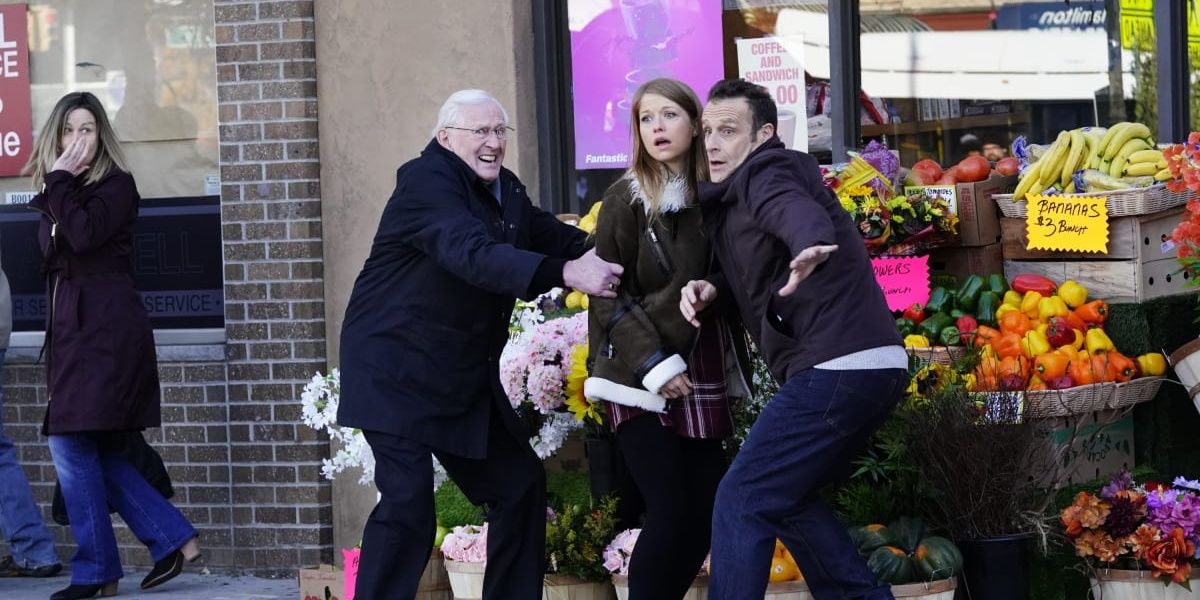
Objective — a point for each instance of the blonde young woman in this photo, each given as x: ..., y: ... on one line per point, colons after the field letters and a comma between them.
x: 101, y: 368
x: 667, y: 384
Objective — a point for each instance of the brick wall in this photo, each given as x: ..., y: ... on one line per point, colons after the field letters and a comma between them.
x: 246, y: 471
x: 274, y: 290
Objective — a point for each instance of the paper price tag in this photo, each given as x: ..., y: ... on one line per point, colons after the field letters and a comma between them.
x: 1076, y: 224
x: 904, y: 281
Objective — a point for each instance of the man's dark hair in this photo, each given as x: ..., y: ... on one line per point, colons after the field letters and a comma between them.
x: 762, y: 107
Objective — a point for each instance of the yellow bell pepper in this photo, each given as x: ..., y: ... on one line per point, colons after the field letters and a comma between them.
x: 916, y: 341
x: 1078, y: 343
x: 1041, y: 328
x: 1012, y: 298
x: 1004, y: 308
x: 1152, y: 364
x: 1096, y: 341
x: 1029, y: 304
x: 1071, y: 352
x: 1052, y: 306
x: 1072, y: 293
x: 1035, y: 343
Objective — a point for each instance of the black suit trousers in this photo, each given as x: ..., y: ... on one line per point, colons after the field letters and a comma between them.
x: 509, y: 481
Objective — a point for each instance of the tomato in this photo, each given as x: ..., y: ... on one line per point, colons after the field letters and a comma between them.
x: 1008, y: 166
x: 973, y: 168
x: 927, y: 170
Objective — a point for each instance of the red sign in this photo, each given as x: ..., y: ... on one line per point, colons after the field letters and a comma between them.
x: 16, y: 113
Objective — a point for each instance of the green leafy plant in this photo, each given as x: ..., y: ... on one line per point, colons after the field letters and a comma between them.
x: 576, y: 537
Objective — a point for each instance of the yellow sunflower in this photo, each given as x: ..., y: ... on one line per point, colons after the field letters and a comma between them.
x: 580, y: 405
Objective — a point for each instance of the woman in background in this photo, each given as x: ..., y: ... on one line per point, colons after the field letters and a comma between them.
x: 101, y: 367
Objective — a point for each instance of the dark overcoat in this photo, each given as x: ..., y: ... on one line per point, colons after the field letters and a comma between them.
x: 101, y: 367
x: 429, y: 313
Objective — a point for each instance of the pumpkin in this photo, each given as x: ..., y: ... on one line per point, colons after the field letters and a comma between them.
x: 868, y: 537
x: 937, y: 558
x: 891, y: 565
x: 905, y: 533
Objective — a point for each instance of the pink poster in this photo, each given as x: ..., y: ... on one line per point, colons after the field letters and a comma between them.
x: 617, y: 45
x: 904, y: 281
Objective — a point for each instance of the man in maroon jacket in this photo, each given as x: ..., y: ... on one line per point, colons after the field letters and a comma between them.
x: 792, y: 260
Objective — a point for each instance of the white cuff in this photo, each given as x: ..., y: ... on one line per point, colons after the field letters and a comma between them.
x: 663, y: 372
x: 611, y: 391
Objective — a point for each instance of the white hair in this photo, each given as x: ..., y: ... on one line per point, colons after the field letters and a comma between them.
x: 448, y: 114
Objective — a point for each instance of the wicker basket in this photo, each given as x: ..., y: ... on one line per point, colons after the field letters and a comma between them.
x: 1133, y: 392
x: 944, y: 355
x: 1121, y: 203
x: 1081, y: 399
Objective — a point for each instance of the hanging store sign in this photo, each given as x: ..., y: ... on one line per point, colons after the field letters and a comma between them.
x: 16, y: 113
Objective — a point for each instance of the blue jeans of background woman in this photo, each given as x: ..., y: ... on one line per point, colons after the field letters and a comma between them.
x: 94, y: 475
x: 21, y: 523
x: 805, y: 438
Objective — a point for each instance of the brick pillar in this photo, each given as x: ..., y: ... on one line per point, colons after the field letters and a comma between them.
x: 274, y: 290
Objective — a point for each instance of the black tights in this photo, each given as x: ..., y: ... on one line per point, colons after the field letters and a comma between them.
x: 678, y: 479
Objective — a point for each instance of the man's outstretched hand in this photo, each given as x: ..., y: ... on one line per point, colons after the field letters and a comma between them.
x: 593, y: 275
x: 802, y: 266
x: 695, y: 297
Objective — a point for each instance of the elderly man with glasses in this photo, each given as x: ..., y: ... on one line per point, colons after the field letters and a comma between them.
x: 420, y: 348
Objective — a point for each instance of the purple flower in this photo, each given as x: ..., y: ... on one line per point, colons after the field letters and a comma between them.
x: 1191, y: 484
x: 1122, y: 481
x: 882, y: 159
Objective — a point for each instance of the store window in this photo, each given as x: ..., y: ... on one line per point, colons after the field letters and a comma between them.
x: 616, y: 45
x: 152, y: 63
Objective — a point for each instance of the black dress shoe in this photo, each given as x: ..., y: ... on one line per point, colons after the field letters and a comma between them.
x: 164, y: 570
x: 77, y: 591
x: 10, y: 568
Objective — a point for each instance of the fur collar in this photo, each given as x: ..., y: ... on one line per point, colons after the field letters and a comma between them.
x: 674, y: 198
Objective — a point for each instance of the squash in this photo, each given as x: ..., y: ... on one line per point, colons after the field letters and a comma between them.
x: 891, y: 565
x: 868, y: 537
x: 937, y: 558
x: 905, y: 533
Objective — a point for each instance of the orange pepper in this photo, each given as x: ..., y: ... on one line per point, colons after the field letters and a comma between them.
x: 1101, y: 365
x: 1008, y: 344
x: 1080, y: 370
x: 1069, y: 351
x: 1050, y: 365
x: 1120, y: 367
x: 1015, y: 321
x: 1013, y: 373
x: 1095, y: 311
x: 985, y: 335
x: 985, y: 372
x: 1074, y: 322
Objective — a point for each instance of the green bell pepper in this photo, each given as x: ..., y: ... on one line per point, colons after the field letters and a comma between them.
x: 950, y: 336
x: 906, y: 327
x: 968, y: 292
x: 938, y: 300
x: 985, y: 312
x: 997, y: 283
x: 933, y: 325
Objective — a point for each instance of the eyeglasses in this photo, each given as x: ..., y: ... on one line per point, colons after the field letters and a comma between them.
x: 482, y: 133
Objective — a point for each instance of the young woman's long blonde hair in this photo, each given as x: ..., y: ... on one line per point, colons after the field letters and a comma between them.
x: 652, y: 175
x: 48, y: 146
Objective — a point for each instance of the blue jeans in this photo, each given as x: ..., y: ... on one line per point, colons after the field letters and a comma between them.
x: 94, y: 475
x: 20, y: 520
x: 806, y: 437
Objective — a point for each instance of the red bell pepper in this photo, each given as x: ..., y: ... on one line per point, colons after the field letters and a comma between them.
x: 914, y: 313
x: 1059, y: 332
x: 1026, y: 282
x: 967, y: 325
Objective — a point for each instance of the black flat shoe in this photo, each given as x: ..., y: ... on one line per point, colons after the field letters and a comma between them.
x: 77, y: 591
x: 164, y: 570
x: 10, y: 568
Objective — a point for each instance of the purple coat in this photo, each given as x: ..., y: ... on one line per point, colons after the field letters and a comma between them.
x: 101, y: 368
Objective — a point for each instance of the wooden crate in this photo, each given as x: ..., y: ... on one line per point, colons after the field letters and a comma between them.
x: 1128, y: 280
x: 1144, y: 237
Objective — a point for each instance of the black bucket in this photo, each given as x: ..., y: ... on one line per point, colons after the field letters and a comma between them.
x: 994, y: 568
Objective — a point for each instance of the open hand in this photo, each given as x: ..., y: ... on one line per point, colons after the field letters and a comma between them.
x: 72, y: 160
x: 695, y: 297
x: 803, y: 265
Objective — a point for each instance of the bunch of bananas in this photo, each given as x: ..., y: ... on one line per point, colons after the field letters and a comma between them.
x: 1120, y: 157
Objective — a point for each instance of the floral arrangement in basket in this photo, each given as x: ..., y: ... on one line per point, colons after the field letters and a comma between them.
x: 1126, y: 525
x: 889, y: 223
x: 542, y: 370
x: 467, y: 543
x: 576, y: 538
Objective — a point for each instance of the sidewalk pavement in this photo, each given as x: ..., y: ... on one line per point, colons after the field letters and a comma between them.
x: 187, y: 586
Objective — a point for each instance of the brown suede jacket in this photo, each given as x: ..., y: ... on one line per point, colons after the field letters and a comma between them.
x: 640, y: 340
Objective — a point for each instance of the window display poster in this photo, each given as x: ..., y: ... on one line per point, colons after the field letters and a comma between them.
x: 618, y: 46
x: 777, y: 63
x: 16, y: 114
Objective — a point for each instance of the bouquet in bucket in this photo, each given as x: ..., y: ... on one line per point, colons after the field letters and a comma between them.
x: 1152, y: 525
